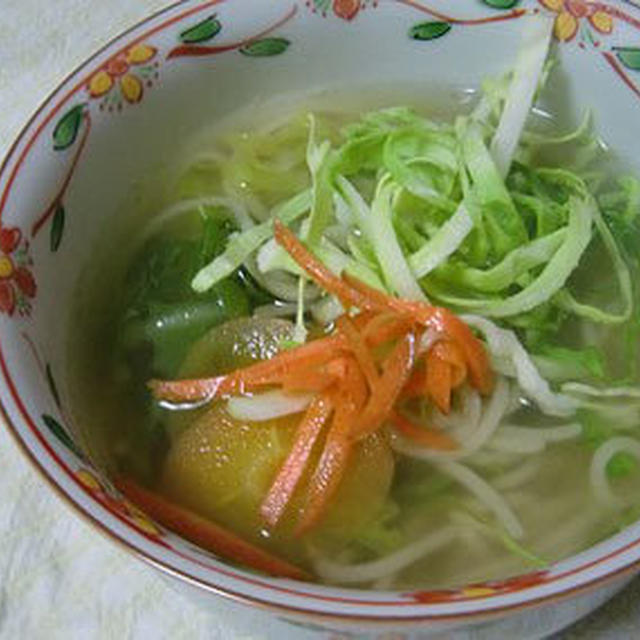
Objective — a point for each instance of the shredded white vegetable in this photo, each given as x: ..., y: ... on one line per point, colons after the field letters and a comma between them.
x: 267, y: 405
x: 528, y: 71
x: 445, y: 242
x: 505, y: 348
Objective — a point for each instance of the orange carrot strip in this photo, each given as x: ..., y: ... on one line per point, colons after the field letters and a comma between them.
x: 308, y: 380
x: 438, y: 381
x: 360, y: 351
x: 254, y: 376
x: 285, y: 483
x: 396, y: 372
x: 317, y: 379
x: 416, y: 384
x: 380, y: 301
x: 362, y: 319
x: 354, y: 292
x: 424, y: 436
x: 317, y: 270
x: 475, y: 354
x: 337, y: 451
x: 387, y: 326
x: 450, y: 352
x: 438, y: 318
x: 206, y: 533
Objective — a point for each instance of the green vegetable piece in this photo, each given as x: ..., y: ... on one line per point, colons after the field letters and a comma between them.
x: 629, y: 56
x: 265, y: 47
x: 429, y: 30
x: 244, y: 244
x: 205, y: 30
x: 320, y: 161
x: 501, y: 4
x: 66, y: 130
x: 502, y: 221
x: 171, y: 328
x: 561, y: 364
x: 621, y: 465
x: 57, y: 228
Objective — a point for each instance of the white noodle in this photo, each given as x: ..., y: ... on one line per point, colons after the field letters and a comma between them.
x: 609, y: 392
x: 461, y: 424
x: 487, y: 425
x: 598, y: 471
x: 486, y: 494
x: 514, y: 439
x: 546, y: 434
x: 516, y: 478
x: 516, y: 444
x: 388, y: 565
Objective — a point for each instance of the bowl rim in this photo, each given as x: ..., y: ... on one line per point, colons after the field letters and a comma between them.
x: 583, y: 582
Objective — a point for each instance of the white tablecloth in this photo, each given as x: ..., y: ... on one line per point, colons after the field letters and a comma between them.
x: 58, y: 578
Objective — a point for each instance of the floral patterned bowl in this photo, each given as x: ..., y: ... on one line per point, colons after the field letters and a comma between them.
x: 126, y: 111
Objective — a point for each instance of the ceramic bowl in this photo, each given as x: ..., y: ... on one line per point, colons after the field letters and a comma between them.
x: 128, y: 110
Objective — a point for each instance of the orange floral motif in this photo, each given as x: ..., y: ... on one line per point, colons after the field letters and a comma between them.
x: 346, y: 9
x: 129, y: 71
x: 570, y: 12
x: 17, y: 284
x: 343, y: 9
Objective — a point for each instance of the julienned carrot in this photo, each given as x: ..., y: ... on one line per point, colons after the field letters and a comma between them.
x: 475, y: 354
x: 360, y: 351
x: 353, y: 292
x: 450, y: 352
x: 338, y: 447
x: 438, y: 381
x: 285, y: 483
x: 387, y: 326
x: 395, y: 374
x: 417, y: 382
x: 317, y: 270
x: 425, y: 436
x: 437, y: 318
x: 254, y: 376
x: 380, y: 301
x: 316, y: 378
x: 206, y: 533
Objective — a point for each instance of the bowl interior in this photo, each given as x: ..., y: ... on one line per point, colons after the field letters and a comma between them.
x: 100, y: 150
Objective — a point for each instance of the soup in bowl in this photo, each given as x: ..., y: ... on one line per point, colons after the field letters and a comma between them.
x: 342, y: 331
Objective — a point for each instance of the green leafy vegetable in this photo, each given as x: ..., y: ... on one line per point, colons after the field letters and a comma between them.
x: 162, y: 313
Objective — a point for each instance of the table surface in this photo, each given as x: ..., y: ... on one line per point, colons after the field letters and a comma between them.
x: 58, y: 578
